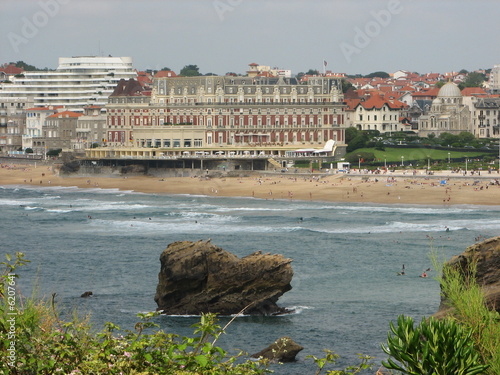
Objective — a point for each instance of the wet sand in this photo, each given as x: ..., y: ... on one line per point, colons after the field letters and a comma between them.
x: 398, y: 187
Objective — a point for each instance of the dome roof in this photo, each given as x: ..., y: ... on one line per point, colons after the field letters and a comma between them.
x: 449, y: 90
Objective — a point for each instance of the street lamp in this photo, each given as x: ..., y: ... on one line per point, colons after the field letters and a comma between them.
x: 448, y: 158
x: 359, y: 163
x: 466, y: 165
x: 402, y: 161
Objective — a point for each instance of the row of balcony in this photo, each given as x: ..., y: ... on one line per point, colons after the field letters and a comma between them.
x: 261, y: 104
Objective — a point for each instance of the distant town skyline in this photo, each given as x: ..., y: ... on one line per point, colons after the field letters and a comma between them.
x: 220, y: 36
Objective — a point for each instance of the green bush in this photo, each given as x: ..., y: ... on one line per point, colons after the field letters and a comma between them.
x: 437, y: 347
x: 466, y: 299
x: 54, y: 152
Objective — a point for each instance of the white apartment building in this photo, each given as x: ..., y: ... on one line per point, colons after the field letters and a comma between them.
x: 77, y: 82
x: 35, y: 119
x: 494, y: 81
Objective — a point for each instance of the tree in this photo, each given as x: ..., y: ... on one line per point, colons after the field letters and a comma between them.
x: 190, y: 71
x: 378, y: 75
x: 166, y: 68
x: 466, y: 137
x: 439, y: 84
x: 312, y: 72
x: 474, y: 80
x: 358, y: 142
x: 27, y: 67
x: 350, y: 133
x: 54, y: 152
x: 346, y: 86
x: 446, y: 139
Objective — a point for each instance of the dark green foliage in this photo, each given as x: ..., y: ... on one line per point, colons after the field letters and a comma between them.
x: 362, y: 156
x: 437, y: 347
x: 346, y: 86
x: 190, y: 71
x: 378, y: 75
x: 474, y: 80
x: 351, y: 133
x: 359, y: 141
x: 54, y: 152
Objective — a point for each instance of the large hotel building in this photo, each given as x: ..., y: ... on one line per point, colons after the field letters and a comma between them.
x: 255, y: 115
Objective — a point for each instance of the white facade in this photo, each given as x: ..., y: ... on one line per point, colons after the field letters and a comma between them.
x: 494, y: 82
x: 35, y: 119
x: 77, y: 82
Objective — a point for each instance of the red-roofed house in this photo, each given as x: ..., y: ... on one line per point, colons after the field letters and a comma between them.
x: 379, y: 113
x: 9, y: 71
x: 474, y: 91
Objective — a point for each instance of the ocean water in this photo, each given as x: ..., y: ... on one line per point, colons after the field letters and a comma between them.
x: 345, y: 259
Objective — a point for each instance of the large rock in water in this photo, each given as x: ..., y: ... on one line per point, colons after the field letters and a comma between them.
x: 199, y: 277
x: 487, y: 256
x: 282, y: 350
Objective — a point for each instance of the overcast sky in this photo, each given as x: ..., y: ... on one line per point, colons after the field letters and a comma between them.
x: 220, y: 36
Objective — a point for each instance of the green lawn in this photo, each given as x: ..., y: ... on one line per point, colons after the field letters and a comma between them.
x: 393, y: 155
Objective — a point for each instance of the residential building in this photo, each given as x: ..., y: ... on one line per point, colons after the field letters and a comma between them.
x: 33, y: 137
x: 91, y: 128
x: 377, y: 113
x: 12, y: 123
x: 59, y: 131
x: 494, y: 81
x: 486, y: 117
x: 77, y: 82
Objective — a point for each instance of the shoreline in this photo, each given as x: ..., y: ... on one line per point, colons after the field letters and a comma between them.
x: 398, y: 187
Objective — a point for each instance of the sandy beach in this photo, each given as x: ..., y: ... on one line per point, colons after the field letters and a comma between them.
x: 398, y: 187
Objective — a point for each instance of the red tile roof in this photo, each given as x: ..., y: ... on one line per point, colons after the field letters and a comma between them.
x: 473, y: 91
x: 432, y: 93
x: 65, y: 114
x: 377, y: 101
x: 351, y: 103
x: 165, y: 73
x: 11, y: 69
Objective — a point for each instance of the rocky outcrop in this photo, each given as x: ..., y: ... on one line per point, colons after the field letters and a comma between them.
x: 199, y: 277
x: 282, y: 350
x: 487, y: 256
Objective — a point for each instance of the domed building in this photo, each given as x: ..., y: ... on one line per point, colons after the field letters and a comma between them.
x: 448, y: 113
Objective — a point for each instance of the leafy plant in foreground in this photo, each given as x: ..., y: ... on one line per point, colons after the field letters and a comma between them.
x: 437, y: 347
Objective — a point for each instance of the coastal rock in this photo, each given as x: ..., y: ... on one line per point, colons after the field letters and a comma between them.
x: 199, y: 277
x: 282, y: 350
x: 487, y: 256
